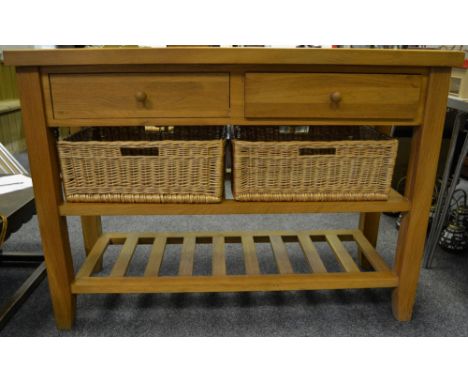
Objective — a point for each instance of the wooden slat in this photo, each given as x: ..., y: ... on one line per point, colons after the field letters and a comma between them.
x: 395, y: 203
x: 250, y: 255
x: 311, y: 254
x: 281, y: 254
x: 375, y: 260
x: 235, y: 283
x: 126, y: 254
x: 92, y: 229
x: 219, y: 260
x: 187, y: 256
x: 369, y: 225
x: 94, y: 257
x: 341, y: 253
x: 156, y: 257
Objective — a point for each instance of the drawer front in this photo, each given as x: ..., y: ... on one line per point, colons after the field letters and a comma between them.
x: 139, y: 95
x: 327, y: 95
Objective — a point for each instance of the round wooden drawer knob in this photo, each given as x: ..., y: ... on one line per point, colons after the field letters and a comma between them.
x: 141, y: 96
x: 335, y: 97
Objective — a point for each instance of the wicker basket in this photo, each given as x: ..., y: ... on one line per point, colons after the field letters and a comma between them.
x: 312, y: 163
x: 183, y: 164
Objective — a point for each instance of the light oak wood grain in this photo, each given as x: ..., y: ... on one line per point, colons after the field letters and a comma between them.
x: 94, y: 257
x: 187, y: 256
x: 395, y: 203
x: 97, y: 56
x: 369, y: 224
x: 92, y: 230
x: 235, y: 283
x: 92, y: 87
x: 369, y: 252
x: 307, y: 95
x: 123, y: 261
x: 342, y: 255
x: 311, y: 254
x: 220, y: 68
x: 114, y: 95
x: 48, y: 196
x: 156, y: 256
x: 250, y: 255
x: 212, y: 121
x: 425, y: 149
x: 219, y: 260
x: 281, y: 255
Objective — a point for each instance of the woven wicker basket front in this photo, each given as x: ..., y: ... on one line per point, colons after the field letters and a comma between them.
x: 312, y: 163
x: 184, y: 164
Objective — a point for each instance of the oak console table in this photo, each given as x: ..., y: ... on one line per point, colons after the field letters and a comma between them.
x: 241, y: 86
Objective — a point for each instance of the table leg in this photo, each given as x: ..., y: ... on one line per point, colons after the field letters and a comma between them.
x: 48, y: 196
x: 369, y: 225
x: 92, y: 230
x: 425, y: 149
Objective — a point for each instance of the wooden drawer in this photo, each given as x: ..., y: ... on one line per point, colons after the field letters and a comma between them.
x: 328, y: 95
x: 131, y: 95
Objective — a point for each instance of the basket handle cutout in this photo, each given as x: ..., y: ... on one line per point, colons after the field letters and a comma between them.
x: 135, y: 151
x: 317, y: 151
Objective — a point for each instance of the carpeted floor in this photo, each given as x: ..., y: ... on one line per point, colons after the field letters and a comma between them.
x: 441, y: 307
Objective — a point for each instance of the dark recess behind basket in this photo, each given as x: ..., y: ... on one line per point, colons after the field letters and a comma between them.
x: 307, y: 133
x: 140, y: 133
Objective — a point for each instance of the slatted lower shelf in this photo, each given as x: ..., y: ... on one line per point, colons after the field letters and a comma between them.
x: 152, y: 280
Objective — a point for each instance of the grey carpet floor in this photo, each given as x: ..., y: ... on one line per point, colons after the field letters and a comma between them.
x: 441, y: 305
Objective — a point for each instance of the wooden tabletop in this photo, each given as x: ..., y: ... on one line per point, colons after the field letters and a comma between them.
x: 123, y: 56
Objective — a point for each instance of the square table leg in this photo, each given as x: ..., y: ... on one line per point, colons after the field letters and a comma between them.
x: 48, y: 195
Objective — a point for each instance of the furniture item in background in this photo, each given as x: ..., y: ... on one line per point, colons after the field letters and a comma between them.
x: 464, y: 171
x: 16, y: 208
x: 459, y: 82
x: 454, y: 237
x: 446, y: 190
x: 460, y: 214
x: 11, y: 128
x: 404, y: 135
x: 182, y: 164
x: 265, y: 87
x: 312, y: 163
